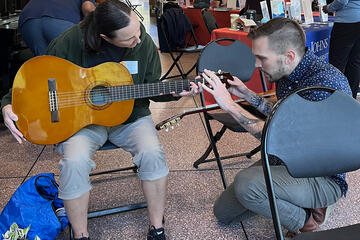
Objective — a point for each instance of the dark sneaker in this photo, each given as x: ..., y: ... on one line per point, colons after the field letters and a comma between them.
x: 83, y: 238
x: 156, y: 233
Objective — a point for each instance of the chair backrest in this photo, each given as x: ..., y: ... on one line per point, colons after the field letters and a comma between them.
x: 201, y: 3
x: 209, y: 20
x: 173, y: 27
x: 314, y: 138
x: 236, y: 58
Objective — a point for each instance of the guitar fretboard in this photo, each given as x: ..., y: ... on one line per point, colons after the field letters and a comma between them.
x: 126, y: 92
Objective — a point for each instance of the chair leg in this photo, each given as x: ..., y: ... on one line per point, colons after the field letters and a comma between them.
x: 253, y: 152
x: 134, y: 168
x: 191, y: 69
x: 202, y: 159
x: 121, y: 209
x: 216, y: 153
x: 133, y: 7
x: 175, y: 63
x: 71, y: 235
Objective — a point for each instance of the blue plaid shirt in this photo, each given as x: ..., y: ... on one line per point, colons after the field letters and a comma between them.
x: 312, y: 71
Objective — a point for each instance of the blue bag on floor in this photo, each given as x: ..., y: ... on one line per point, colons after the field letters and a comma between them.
x: 35, y: 203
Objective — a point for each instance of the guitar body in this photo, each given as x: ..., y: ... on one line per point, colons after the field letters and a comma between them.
x: 77, y: 107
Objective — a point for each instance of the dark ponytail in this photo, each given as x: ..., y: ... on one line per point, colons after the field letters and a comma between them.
x: 109, y: 16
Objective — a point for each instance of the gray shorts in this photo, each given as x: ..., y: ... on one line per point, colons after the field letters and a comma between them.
x: 140, y: 138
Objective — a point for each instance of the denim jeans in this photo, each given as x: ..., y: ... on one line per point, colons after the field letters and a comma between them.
x: 39, y: 32
x: 140, y: 138
x: 247, y: 196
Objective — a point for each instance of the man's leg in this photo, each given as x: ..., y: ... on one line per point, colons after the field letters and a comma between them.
x: 140, y: 138
x: 227, y: 207
x: 342, y: 41
x: 352, y: 71
x: 75, y: 167
x: 293, y: 195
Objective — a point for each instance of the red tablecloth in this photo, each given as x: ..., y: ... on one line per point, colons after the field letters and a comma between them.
x: 228, y: 33
x: 196, y: 19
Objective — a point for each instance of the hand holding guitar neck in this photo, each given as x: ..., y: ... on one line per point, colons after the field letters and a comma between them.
x: 223, y: 77
x: 195, y: 88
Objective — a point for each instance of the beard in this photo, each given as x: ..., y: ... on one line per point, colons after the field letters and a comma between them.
x: 280, y: 70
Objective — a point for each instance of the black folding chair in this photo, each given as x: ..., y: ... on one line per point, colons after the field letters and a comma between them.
x: 209, y: 20
x: 238, y: 60
x: 176, y: 36
x: 321, y: 134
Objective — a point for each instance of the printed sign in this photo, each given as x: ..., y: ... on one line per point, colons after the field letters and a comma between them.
x: 264, y: 10
x: 277, y: 8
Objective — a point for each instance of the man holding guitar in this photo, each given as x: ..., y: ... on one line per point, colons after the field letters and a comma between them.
x: 112, y: 33
x: 279, y: 48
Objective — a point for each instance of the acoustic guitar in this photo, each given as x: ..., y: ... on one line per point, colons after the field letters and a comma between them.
x: 55, y: 98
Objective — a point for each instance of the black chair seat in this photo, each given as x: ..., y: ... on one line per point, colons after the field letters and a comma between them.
x: 227, y: 120
x: 351, y: 232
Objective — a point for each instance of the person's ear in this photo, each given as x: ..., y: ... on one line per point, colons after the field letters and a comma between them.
x: 290, y: 56
x: 103, y: 36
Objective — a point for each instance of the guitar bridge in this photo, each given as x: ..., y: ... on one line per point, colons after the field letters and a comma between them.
x: 53, y: 100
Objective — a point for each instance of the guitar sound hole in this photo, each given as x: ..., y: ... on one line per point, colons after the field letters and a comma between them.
x: 99, y: 95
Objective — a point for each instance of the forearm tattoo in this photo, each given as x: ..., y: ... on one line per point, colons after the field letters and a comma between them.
x: 260, y: 104
x: 251, y: 125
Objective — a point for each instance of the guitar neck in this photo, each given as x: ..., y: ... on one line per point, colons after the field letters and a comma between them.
x: 175, y: 119
x: 215, y: 106
x: 126, y: 92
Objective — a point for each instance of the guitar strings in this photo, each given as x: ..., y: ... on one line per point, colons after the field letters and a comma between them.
x: 131, y: 87
x: 118, y: 93
x: 176, y: 84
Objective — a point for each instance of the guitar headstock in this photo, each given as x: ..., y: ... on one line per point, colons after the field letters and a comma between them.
x: 223, y: 76
x: 168, y: 123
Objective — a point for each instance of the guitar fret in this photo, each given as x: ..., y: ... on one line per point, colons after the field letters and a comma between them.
x: 126, y: 92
